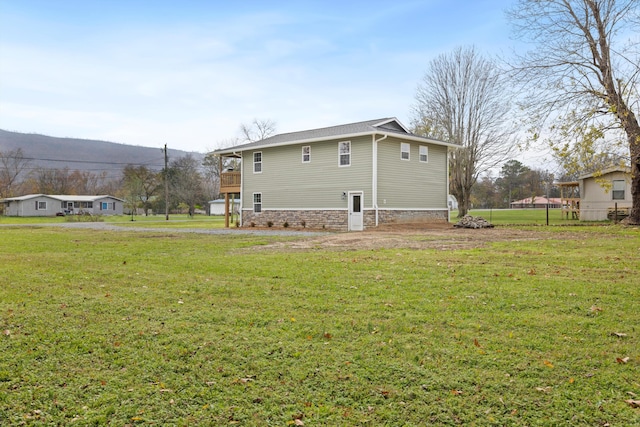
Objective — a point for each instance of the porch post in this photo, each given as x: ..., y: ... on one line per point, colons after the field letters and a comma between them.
x: 226, y: 210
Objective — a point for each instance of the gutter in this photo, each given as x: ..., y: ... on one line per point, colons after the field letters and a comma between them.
x: 374, y: 183
x: 233, y: 150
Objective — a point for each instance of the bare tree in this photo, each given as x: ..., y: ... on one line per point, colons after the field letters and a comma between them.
x: 186, y: 182
x: 463, y: 99
x: 141, y: 184
x: 583, y: 75
x: 257, y: 130
x: 12, y: 164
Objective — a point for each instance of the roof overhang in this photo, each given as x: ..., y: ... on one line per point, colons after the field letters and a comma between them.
x: 237, y: 151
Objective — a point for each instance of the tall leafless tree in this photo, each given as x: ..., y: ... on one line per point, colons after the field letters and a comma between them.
x: 583, y: 74
x: 257, y: 130
x: 463, y: 99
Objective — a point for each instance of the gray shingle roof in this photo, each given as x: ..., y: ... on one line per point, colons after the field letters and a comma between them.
x: 385, y: 125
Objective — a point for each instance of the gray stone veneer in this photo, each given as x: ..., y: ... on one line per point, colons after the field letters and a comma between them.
x: 337, y: 219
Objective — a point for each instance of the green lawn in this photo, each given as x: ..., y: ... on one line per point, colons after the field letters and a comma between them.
x: 142, y: 328
x: 175, y: 220
x: 519, y: 216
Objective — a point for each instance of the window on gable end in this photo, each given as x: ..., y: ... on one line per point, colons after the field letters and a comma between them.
x: 257, y: 162
x: 618, y: 189
x: 306, y: 154
x: 424, y: 154
x: 404, y: 150
x: 344, y: 152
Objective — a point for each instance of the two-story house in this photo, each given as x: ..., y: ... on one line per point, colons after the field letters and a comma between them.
x: 345, y: 177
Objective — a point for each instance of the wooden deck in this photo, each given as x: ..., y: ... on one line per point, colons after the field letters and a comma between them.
x: 230, y: 182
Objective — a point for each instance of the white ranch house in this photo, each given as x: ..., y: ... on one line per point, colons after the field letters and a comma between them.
x: 52, y: 205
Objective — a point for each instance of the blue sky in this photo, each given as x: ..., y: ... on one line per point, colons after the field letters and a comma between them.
x: 188, y: 73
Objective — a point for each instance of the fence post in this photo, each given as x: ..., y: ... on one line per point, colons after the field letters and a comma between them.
x: 547, y: 213
x: 615, y: 215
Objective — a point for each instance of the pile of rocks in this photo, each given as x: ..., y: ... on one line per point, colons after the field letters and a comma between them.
x: 469, y: 221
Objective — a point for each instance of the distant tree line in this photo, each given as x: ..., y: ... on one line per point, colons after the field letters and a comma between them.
x: 192, y: 184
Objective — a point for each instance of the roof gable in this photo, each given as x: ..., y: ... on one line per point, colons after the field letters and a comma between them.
x: 604, y: 172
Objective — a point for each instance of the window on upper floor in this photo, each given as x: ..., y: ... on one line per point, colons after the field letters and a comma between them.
x: 404, y: 150
x: 257, y: 162
x: 306, y: 154
x: 618, y: 189
x: 344, y: 153
x: 424, y: 154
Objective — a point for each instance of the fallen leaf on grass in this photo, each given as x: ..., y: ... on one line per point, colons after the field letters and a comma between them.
x: 633, y: 403
x: 327, y: 335
x: 476, y: 343
x: 618, y: 334
x: 595, y: 308
x: 544, y: 389
x: 532, y: 272
x: 298, y: 422
x: 622, y: 360
x: 548, y: 364
x: 456, y: 392
x: 6, y: 332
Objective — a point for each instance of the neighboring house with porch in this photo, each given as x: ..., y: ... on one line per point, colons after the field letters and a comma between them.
x: 346, y: 177
x: 600, y: 192
x: 52, y: 205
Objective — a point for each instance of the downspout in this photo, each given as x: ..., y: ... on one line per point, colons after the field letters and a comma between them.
x: 241, y: 188
x: 447, y: 195
x: 374, y: 189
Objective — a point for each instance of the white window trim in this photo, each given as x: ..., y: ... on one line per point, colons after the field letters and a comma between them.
x: 402, y: 151
x: 308, y: 154
x: 41, y: 205
x: 254, y: 202
x: 254, y: 162
x: 426, y: 149
x: 341, y: 154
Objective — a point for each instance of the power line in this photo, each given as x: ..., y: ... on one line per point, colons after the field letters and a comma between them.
x: 92, y: 162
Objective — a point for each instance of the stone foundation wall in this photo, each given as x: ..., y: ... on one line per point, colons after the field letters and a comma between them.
x: 317, y: 219
x: 409, y: 216
x: 337, y: 219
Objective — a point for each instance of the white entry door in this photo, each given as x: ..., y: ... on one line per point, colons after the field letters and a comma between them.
x: 356, y: 220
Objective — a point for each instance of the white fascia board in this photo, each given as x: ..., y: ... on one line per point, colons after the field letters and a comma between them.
x: 338, y: 138
x: 392, y: 119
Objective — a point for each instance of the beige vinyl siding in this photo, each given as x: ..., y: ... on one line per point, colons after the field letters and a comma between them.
x: 596, y: 199
x: 411, y: 184
x: 288, y: 183
x: 594, y: 190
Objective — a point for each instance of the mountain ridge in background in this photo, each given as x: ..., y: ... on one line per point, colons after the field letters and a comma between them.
x: 90, y: 155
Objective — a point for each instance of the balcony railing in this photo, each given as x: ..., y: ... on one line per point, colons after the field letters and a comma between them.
x: 230, y: 182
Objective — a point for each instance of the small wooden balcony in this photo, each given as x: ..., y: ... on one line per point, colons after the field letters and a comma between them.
x: 230, y: 182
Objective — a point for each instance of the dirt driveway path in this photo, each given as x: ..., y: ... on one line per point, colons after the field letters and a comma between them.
x: 419, y: 236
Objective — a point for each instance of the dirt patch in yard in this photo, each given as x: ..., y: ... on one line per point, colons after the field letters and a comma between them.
x: 412, y: 236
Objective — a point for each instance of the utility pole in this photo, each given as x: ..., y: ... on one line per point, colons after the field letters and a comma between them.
x: 166, y: 183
